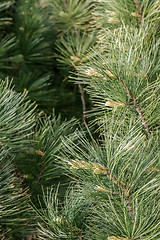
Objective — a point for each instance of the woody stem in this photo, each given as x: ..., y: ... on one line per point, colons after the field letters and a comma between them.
x: 139, y: 9
x: 138, y: 109
x: 82, y: 97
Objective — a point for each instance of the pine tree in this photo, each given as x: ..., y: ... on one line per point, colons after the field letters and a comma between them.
x: 115, y: 177
x: 110, y: 49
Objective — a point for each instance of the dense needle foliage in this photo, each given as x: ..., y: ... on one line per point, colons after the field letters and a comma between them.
x: 96, y: 178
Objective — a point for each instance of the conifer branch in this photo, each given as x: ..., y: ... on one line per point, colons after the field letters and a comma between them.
x: 142, y: 117
x: 138, y: 109
x: 125, y: 193
x: 82, y: 97
x: 100, y: 169
x: 139, y: 10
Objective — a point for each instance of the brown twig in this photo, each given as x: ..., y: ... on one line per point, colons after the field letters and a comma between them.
x: 138, y: 109
x: 42, y: 170
x: 139, y: 10
x: 142, y: 117
x: 83, y: 104
x: 82, y: 98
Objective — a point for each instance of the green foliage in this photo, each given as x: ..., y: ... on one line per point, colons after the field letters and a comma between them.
x: 4, y: 5
x: 117, y: 174
x: 48, y: 135
x: 112, y: 48
x: 73, y: 48
x: 70, y: 14
x: 74, y: 21
x: 17, y: 118
x: 125, y: 73
x: 16, y: 214
x: 111, y: 13
x: 7, y: 47
x: 32, y: 29
x: 119, y: 178
x: 63, y: 221
x: 37, y: 164
x: 37, y: 84
x: 27, y: 48
x: 76, y: 36
x: 28, y: 38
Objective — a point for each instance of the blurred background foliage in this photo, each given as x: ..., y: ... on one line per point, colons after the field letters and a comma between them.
x: 29, y: 31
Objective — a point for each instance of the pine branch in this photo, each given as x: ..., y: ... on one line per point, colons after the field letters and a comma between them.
x: 47, y: 142
x: 139, y: 10
x: 100, y: 169
x: 67, y: 220
x: 124, y: 191
x: 15, y: 211
x: 138, y: 109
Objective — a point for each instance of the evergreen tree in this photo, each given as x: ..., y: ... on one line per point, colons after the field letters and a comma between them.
x: 115, y: 177
x: 111, y: 48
